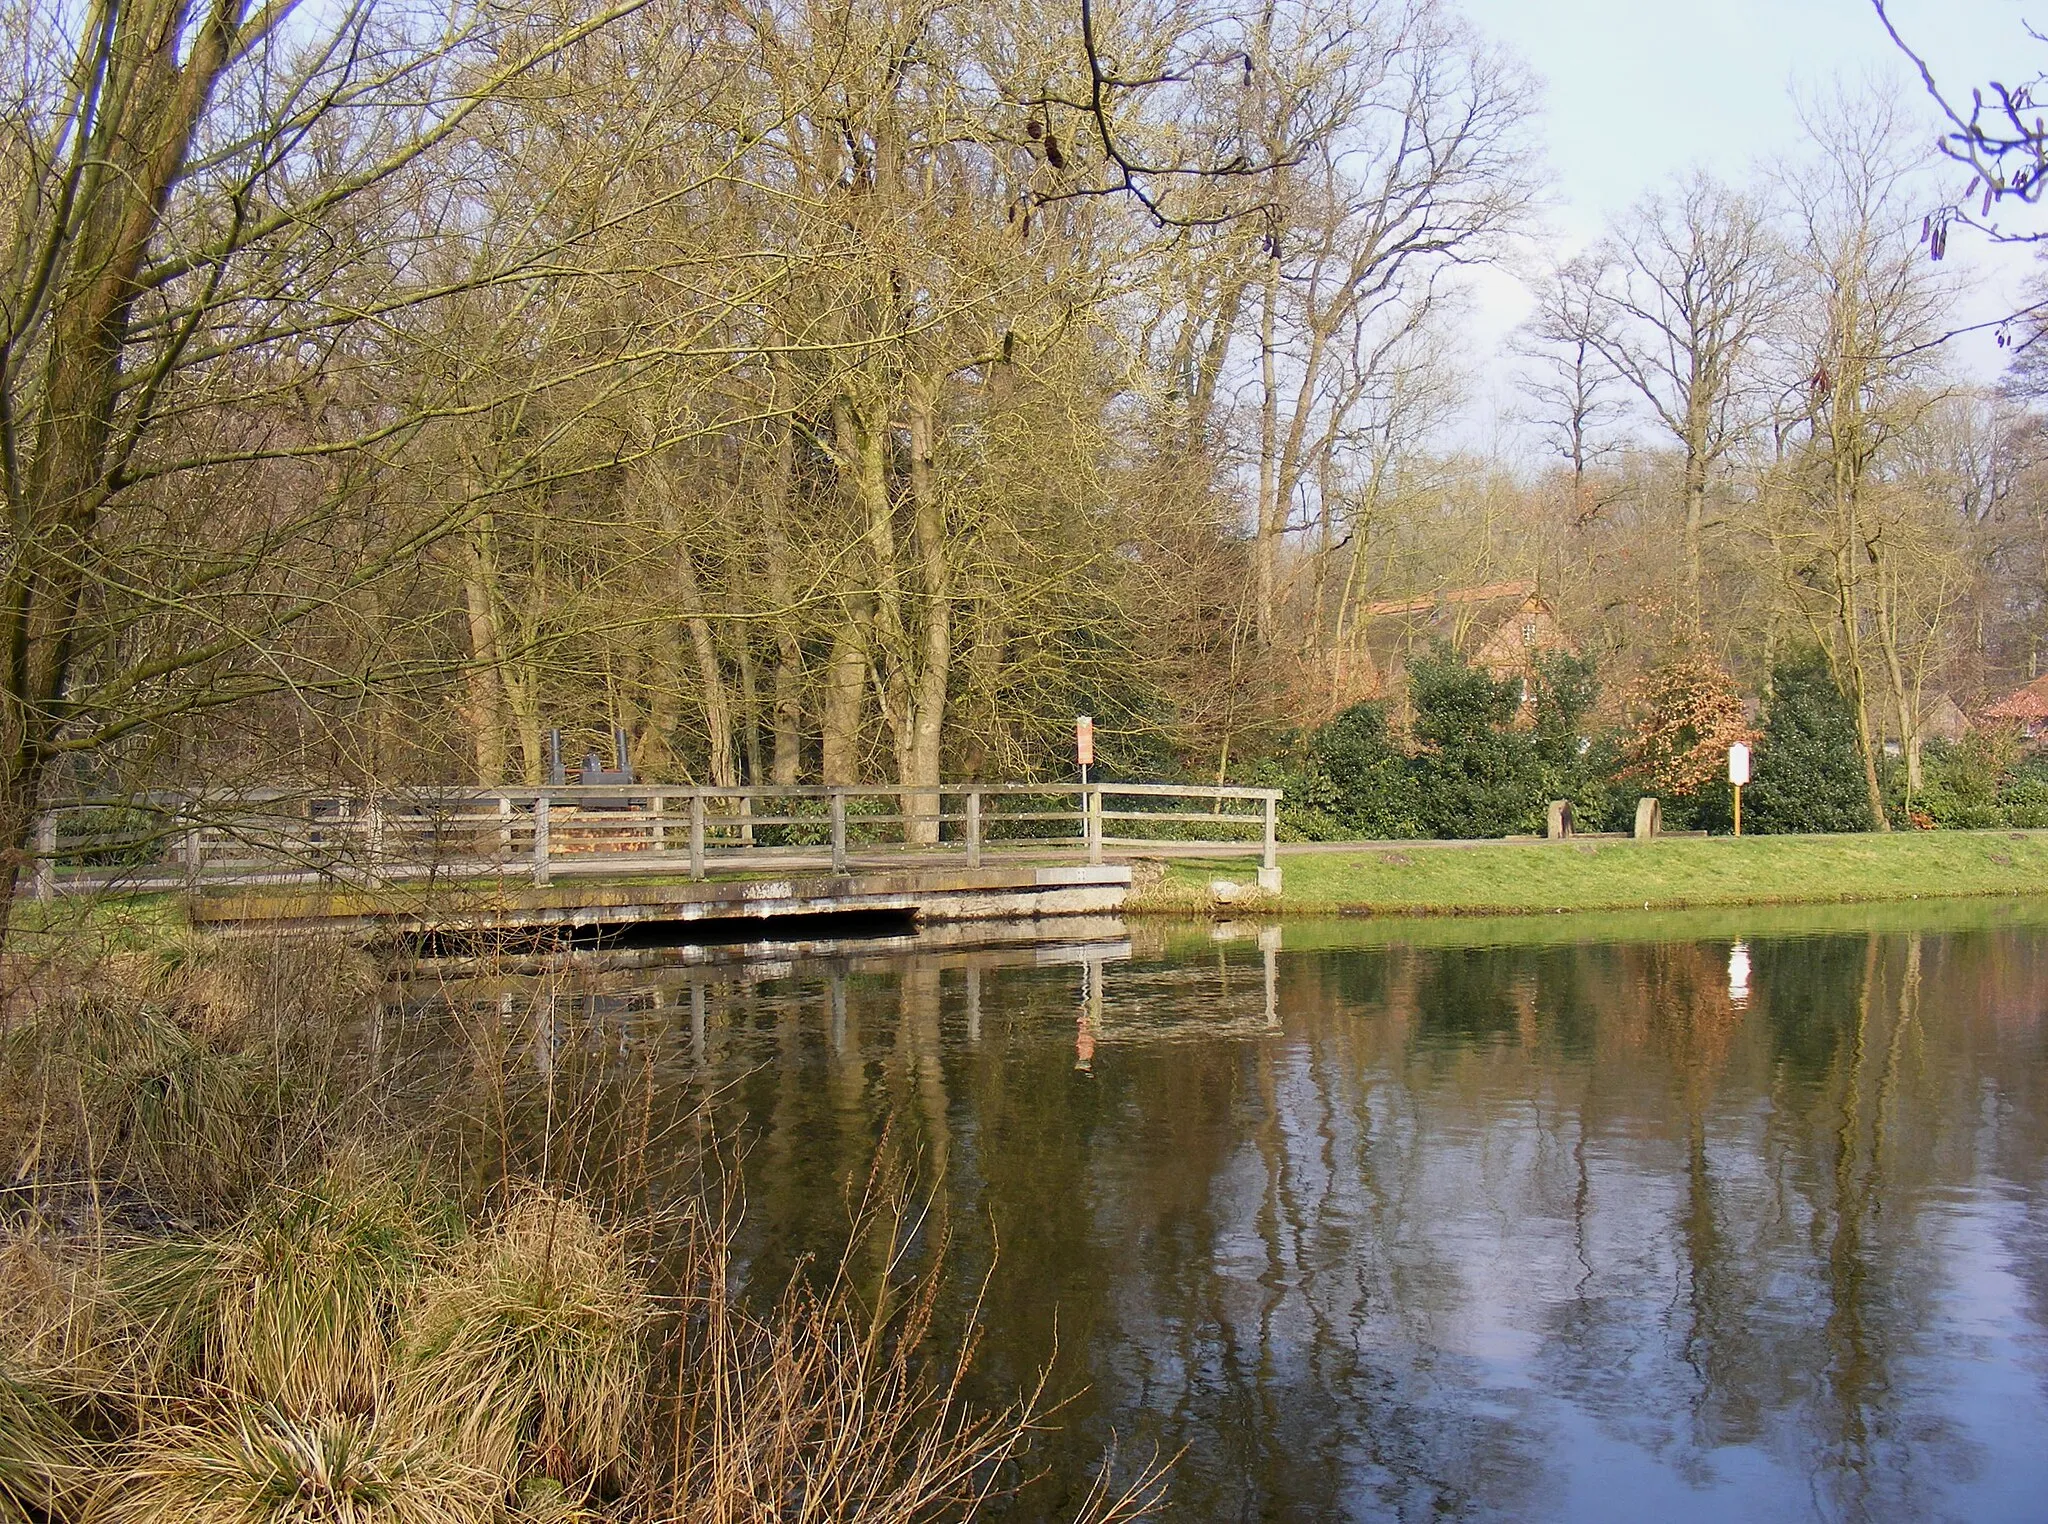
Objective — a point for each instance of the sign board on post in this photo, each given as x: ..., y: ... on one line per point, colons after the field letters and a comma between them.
x: 1084, y: 739
x: 1738, y: 774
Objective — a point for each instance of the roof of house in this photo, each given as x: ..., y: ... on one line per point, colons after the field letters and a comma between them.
x: 1942, y: 716
x: 1429, y: 601
x: 1480, y: 621
x: 2028, y: 703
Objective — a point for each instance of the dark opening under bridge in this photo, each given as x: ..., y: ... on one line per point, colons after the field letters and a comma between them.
x: 431, y: 860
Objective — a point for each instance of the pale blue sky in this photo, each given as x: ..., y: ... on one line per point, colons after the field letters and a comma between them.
x: 1635, y: 90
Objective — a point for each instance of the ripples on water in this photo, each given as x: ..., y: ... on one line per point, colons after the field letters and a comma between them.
x: 1740, y: 1218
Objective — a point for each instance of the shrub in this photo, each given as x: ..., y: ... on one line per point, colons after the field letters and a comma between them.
x: 1357, y: 776
x: 1809, y: 770
x: 1475, y: 774
x: 1960, y: 782
x: 1571, y: 764
x: 1682, y: 718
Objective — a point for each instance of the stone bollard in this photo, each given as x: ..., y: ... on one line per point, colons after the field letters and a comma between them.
x: 1560, y: 823
x: 1649, y: 819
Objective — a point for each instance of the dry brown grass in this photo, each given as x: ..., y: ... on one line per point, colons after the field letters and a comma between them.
x: 528, y: 1346
x: 222, y: 1303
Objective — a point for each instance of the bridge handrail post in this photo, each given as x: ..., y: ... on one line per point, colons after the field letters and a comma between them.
x: 838, y: 831
x: 504, y: 828
x: 974, y: 828
x: 44, y: 875
x: 191, y: 846
x: 540, y: 841
x: 696, y: 833
x: 373, y: 833
x: 1270, y: 857
x: 1092, y: 805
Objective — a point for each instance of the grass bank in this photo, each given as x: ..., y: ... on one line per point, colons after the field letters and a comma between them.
x: 1527, y: 878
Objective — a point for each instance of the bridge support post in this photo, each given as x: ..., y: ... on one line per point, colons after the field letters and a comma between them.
x: 838, y: 831
x: 44, y: 879
x: 540, y: 841
x: 973, y: 828
x: 697, y: 834
x: 1269, y: 857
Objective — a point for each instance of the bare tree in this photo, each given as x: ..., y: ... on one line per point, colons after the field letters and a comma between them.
x: 1867, y: 307
x: 1687, y: 289
x: 1570, y: 388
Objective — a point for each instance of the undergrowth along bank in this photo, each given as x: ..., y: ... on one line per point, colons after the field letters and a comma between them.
x: 273, y: 1252
x: 1495, y: 878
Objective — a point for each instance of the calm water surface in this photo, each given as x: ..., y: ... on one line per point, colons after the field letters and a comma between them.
x: 1673, y: 1219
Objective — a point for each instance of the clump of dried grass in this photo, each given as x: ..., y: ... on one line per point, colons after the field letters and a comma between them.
x: 531, y: 1341
x: 297, y: 1306
x: 268, y: 1467
x: 178, y: 1083
x: 44, y: 1461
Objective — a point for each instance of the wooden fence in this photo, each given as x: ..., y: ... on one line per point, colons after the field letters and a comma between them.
x: 168, y: 840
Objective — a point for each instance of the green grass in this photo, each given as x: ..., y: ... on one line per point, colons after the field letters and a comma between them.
x: 1522, y: 878
x: 1182, y: 935
x: 84, y: 924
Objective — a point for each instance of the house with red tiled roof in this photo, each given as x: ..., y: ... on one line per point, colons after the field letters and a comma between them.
x: 2027, y: 707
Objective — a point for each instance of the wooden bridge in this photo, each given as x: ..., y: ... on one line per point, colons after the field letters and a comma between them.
x: 432, y: 858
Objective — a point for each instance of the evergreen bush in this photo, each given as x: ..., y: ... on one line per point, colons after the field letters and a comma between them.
x: 1475, y: 773
x: 1808, y: 771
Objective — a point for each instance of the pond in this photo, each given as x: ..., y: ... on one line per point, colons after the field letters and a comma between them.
x: 1741, y: 1215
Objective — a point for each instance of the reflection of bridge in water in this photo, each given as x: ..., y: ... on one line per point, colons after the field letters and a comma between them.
x: 603, y: 998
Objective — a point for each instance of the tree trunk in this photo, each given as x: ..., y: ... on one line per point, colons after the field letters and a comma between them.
x: 924, y: 754
x: 486, y: 653
x: 786, y: 717
x: 1695, y: 515
x: 1266, y: 534
x: 750, y: 709
x: 860, y: 431
x: 846, y: 680
x: 151, y: 90
x: 712, y: 691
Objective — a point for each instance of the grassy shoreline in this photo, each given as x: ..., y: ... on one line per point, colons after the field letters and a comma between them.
x: 1542, y: 878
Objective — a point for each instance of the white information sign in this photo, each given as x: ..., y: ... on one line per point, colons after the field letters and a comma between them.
x: 1738, y: 764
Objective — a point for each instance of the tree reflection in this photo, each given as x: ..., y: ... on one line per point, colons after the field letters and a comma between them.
x: 1410, y: 1232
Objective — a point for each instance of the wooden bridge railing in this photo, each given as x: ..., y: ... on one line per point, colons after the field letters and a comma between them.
x: 168, y: 840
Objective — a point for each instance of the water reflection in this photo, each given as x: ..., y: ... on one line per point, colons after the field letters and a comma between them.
x: 1728, y: 1227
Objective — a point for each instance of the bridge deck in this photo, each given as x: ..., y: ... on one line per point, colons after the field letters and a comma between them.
x: 936, y: 893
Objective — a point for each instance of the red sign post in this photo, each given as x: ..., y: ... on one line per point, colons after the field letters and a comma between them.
x: 1084, y: 742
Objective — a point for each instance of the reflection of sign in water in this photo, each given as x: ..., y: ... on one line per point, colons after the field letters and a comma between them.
x: 1738, y: 974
